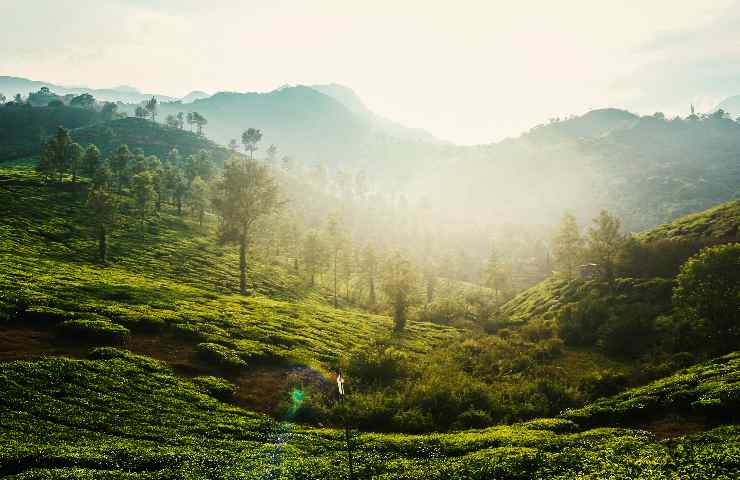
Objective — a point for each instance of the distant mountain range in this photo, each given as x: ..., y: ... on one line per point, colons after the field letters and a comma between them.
x: 647, y: 169
x: 730, y: 105
x: 13, y: 85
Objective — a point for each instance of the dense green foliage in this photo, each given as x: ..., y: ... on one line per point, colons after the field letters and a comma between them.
x: 23, y: 128
x: 125, y: 417
x: 151, y: 138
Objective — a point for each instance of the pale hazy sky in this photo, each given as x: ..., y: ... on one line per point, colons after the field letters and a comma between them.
x: 468, y: 71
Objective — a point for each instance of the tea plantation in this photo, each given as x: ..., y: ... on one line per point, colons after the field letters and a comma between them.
x: 117, y: 415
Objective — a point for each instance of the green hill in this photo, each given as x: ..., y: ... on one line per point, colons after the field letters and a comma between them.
x: 720, y: 223
x: 707, y: 392
x: 152, y: 138
x: 173, y: 287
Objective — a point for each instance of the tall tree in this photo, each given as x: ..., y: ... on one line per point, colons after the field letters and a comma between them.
x: 370, y: 269
x: 250, y: 138
x: 143, y: 193
x: 91, y: 162
x: 151, y: 108
x: 496, y: 274
x: 119, y: 164
x: 604, y: 242
x: 567, y: 245
x: 199, y: 121
x: 400, y: 286
x: 56, y: 154
x: 245, y: 193
x: 140, y: 112
x: 336, y: 235
x: 103, y: 208
x: 76, y: 154
x: 272, y: 152
x: 2, y: 98
x: 180, y: 120
x: 314, y: 255
x: 199, y: 198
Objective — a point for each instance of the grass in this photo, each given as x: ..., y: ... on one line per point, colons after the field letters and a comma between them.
x: 720, y: 222
x: 119, y: 415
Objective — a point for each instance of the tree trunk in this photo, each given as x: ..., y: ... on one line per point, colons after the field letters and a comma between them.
x: 243, y: 263
x: 371, y: 299
x: 335, y: 279
x: 102, y: 246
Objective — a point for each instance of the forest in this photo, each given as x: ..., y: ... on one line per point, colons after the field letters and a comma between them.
x: 177, y: 306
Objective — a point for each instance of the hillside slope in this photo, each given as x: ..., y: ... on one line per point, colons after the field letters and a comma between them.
x: 172, y: 287
x: 151, y: 138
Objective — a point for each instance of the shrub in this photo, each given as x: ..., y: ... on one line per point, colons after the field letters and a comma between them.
x: 473, y: 418
x: 110, y: 353
x: 413, y: 420
x: 44, y: 314
x: 557, y: 425
x: 579, y: 322
x: 140, y: 322
x: 378, y: 365
x: 94, y: 331
x: 219, y: 355
x: 602, y: 384
x: 216, y: 387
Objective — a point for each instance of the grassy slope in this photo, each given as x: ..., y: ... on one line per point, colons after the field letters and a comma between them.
x: 175, y: 279
x: 120, y: 416
x: 709, y: 390
x: 720, y: 222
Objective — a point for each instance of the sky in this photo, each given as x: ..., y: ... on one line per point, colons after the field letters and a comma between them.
x: 467, y: 71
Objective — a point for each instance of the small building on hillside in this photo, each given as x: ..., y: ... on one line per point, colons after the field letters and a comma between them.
x: 589, y: 270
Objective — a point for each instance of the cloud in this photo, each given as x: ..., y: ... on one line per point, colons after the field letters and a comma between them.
x: 698, y: 64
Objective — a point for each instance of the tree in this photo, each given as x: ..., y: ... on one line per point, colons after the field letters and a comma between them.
x: 199, y: 121
x: 233, y: 145
x: 271, y: 158
x: 400, y: 286
x: 190, y: 120
x: 172, y: 121
x: 83, y: 101
x: 151, y: 108
x: 140, y: 112
x: 496, y: 274
x: 604, y: 242
x: 179, y: 188
x: 335, y: 235
x: 142, y: 191
x: 18, y: 100
x: 2, y: 98
x: 180, y: 120
x: 119, y: 164
x: 568, y: 245
x: 707, y: 294
x: 109, y: 111
x: 370, y: 269
x: 199, y: 198
x: 76, y: 154
x: 56, y: 154
x: 103, y: 208
x: 250, y: 138
x: 245, y: 193
x: 314, y: 254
